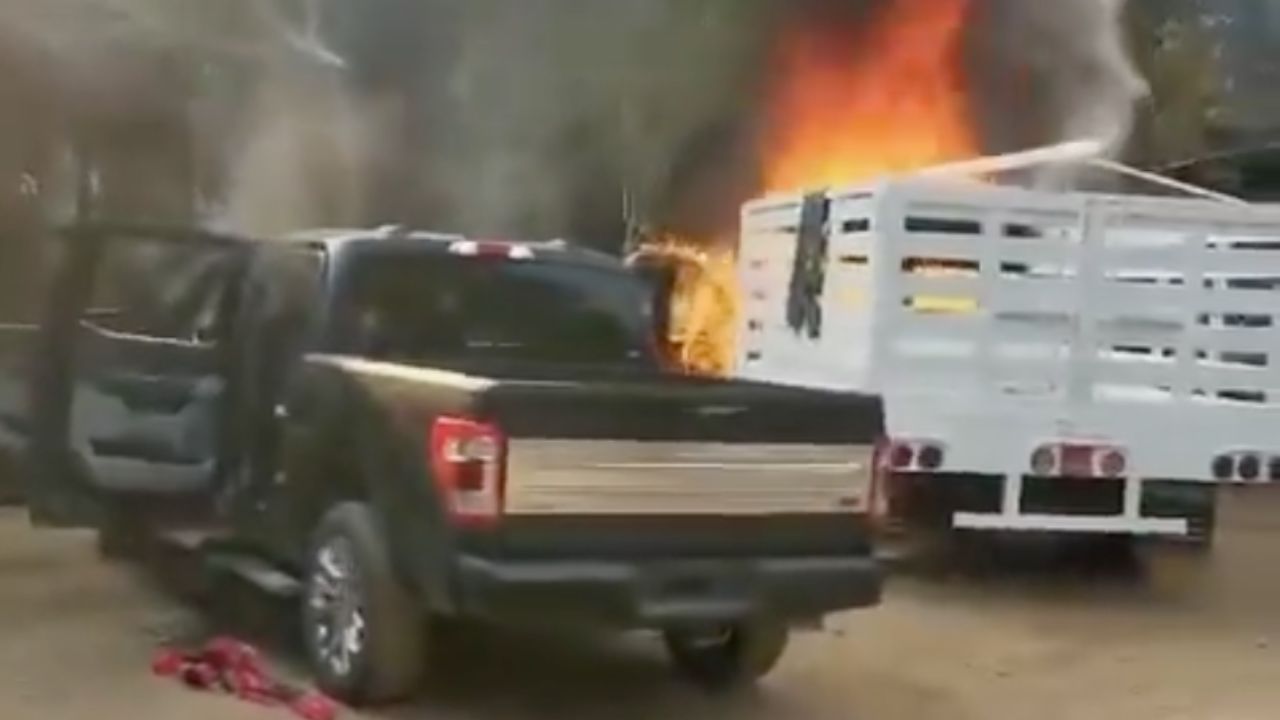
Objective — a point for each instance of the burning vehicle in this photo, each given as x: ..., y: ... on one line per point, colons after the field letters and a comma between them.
x: 695, y: 289
x: 396, y: 428
x: 1028, y: 337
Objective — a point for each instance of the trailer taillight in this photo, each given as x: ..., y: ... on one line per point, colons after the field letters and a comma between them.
x: 1245, y: 465
x: 1078, y: 460
x: 1112, y: 463
x: 913, y: 455
x: 468, y: 460
x: 930, y: 457
x: 901, y: 456
x: 1044, y: 461
x: 1224, y: 467
x: 1249, y: 467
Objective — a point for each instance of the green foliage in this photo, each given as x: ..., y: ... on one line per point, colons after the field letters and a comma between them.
x: 1176, y: 50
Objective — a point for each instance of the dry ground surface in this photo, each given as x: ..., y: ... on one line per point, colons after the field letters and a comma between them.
x: 1047, y: 644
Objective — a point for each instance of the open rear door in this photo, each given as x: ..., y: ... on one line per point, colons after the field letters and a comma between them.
x: 127, y: 397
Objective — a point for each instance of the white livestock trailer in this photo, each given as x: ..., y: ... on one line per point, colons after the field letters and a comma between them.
x: 1050, y: 361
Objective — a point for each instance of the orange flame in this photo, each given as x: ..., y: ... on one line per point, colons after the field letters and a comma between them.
x: 704, y: 304
x: 846, y: 106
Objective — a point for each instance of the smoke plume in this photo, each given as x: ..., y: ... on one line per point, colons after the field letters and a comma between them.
x: 515, y: 117
x: 1054, y: 71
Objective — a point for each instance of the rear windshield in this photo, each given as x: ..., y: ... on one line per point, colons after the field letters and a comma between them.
x: 469, y: 312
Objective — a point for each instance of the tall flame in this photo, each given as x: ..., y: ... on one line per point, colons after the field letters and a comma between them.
x: 848, y: 105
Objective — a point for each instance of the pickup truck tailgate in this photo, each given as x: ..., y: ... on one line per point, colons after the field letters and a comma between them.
x: 684, y: 467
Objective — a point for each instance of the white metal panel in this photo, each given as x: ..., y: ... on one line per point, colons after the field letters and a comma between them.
x: 1071, y: 316
x: 770, y: 347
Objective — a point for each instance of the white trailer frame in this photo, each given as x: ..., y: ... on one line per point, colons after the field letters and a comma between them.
x: 1073, y: 318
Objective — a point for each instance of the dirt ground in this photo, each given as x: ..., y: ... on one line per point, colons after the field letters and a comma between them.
x: 1050, y: 644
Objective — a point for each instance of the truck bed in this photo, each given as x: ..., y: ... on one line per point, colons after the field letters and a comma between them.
x: 648, y: 464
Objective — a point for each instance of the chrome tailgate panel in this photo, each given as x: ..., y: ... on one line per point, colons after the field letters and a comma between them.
x: 613, y: 477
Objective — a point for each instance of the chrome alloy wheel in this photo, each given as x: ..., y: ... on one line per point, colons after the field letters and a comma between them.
x: 337, y: 612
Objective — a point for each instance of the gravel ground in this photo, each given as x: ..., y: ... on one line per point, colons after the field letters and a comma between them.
x: 1052, y: 643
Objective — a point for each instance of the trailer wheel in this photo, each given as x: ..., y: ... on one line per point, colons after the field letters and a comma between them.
x: 727, y: 657
x: 1178, y: 567
x: 364, y: 632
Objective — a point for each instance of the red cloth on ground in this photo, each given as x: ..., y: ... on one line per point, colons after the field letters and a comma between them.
x: 234, y: 667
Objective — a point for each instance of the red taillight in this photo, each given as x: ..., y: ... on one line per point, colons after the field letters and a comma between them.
x: 1075, y: 460
x: 468, y: 460
x: 901, y: 456
x: 910, y: 455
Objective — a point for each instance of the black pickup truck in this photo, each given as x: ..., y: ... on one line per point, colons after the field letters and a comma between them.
x: 403, y: 428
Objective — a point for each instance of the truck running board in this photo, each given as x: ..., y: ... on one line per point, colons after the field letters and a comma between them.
x: 213, y: 550
x: 258, y: 573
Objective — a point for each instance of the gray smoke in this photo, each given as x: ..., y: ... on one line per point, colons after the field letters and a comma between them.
x: 539, y: 115
x: 1055, y: 71
x: 522, y: 117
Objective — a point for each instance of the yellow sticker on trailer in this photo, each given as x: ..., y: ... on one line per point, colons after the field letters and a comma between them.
x: 942, y: 304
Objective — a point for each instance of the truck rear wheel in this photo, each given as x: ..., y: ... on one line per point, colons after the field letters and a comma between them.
x: 727, y: 657
x: 364, y: 633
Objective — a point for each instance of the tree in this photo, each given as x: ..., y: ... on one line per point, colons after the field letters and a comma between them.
x: 1175, y: 48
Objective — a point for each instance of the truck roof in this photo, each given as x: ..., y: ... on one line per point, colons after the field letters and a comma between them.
x: 340, y: 239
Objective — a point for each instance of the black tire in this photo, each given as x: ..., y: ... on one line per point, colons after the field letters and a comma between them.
x: 731, y: 657
x: 10, y: 483
x: 1178, y: 567
x: 388, y: 662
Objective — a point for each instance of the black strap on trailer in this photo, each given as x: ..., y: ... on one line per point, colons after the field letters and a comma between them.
x: 809, y: 271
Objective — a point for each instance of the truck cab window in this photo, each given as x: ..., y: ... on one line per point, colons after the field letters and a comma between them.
x: 419, y: 307
x: 278, y: 308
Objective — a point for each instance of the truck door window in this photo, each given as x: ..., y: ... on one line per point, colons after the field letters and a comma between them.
x: 287, y: 284
x: 159, y: 289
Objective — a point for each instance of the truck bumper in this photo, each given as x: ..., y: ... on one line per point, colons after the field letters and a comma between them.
x: 656, y: 593
x: 1133, y: 506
